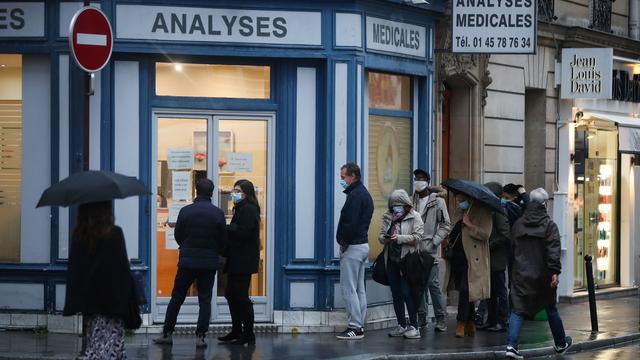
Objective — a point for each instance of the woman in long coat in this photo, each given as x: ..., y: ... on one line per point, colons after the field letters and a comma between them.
x: 469, y: 269
x: 243, y: 259
x: 99, y: 282
x: 401, y: 233
x: 536, y: 267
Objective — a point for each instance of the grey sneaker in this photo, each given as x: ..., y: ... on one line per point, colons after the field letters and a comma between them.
x: 513, y: 353
x: 398, y: 331
x: 164, y: 339
x: 441, y: 325
x: 200, y: 343
x: 411, y: 333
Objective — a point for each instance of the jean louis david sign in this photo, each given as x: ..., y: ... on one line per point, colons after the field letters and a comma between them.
x: 586, y: 73
x: 494, y: 26
x: 178, y: 24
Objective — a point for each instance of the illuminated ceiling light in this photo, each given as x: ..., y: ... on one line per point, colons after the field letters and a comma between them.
x: 3, y: 65
x: 177, y: 67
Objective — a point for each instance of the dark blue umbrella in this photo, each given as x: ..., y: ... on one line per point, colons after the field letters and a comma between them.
x: 476, y: 191
x: 92, y: 186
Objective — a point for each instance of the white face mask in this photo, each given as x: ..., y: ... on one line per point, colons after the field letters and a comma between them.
x: 420, y: 185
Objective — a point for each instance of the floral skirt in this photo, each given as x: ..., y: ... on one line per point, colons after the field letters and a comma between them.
x: 103, y: 338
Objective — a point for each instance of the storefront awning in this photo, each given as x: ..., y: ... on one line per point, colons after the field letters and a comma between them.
x: 628, y: 129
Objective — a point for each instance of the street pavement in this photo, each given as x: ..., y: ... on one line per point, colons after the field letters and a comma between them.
x: 618, y: 317
x: 628, y: 352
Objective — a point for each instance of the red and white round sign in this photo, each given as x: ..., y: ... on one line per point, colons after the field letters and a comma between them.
x: 90, y: 39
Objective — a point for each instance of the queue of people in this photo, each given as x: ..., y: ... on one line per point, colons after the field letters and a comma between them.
x: 496, y: 237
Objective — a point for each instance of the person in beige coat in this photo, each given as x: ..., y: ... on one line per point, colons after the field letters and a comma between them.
x: 469, y: 267
x: 401, y: 234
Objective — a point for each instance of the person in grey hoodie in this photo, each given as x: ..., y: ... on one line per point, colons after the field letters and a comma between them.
x: 401, y: 234
x: 437, y: 225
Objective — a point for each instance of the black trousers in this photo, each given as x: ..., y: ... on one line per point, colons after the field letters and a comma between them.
x: 240, y: 305
x: 498, y: 305
x: 466, y: 309
x: 184, y: 278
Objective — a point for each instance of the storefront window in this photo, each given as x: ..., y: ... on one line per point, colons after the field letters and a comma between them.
x: 596, y: 204
x: 390, y: 146
x: 210, y: 80
x: 10, y: 156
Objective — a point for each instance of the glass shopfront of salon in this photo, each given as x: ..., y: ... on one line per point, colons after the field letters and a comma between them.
x: 595, y: 202
x: 224, y: 146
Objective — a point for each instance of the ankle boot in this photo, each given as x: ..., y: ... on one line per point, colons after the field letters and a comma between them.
x: 459, y: 329
x: 470, y: 328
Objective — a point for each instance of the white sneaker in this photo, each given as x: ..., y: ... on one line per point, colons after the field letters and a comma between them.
x: 412, y: 333
x: 398, y: 331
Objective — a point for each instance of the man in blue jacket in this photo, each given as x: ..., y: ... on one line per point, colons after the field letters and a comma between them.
x: 200, y: 231
x: 352, y: 236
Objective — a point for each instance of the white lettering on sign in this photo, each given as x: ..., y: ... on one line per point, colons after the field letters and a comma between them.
x: 396, y: 37
x: 218, y: 25
x: 586, y: 73
x: 21, y: 19
x: 494, y: 26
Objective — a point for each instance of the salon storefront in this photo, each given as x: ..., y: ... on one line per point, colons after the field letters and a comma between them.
x: 599, y: 166
x: 281, y: 93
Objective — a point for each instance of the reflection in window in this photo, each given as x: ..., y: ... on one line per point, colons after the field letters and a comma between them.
x: 10, y: 156
x: 390, y: 92
x: 389, y: 167
x: 210, y: 80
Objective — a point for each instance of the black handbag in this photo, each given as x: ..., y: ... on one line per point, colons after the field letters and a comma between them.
x: 132, y: 319
x: 447, y: 253
x: 379, y: 270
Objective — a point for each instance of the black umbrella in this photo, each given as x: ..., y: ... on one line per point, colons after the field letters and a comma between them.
x: 476, y: 191
x: 92, y: 186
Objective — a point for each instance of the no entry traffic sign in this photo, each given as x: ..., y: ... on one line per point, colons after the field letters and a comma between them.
x: 90, y: 39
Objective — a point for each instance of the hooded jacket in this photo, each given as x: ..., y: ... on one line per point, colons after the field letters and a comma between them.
x: 435, y: 217
x: 411, y: 227
x: 536, y: 251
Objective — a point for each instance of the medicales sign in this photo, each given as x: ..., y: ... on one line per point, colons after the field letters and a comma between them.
x: 494, y: 26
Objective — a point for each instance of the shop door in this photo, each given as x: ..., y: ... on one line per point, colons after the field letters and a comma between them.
x: 224, y: 149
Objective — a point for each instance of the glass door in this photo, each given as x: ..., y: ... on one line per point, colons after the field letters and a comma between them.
x: 224, y: 149
x: 182, y: 149
x: 243, y: 153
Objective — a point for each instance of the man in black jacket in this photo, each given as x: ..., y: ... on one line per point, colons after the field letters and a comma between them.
x: 200, y: 231
x: 352, y: 236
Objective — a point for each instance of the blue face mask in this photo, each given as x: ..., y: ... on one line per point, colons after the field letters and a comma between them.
x: 503, y: 201
x: 397, y: 209
x: 344, y: 184
x: 464, y: 205
x: 236, y: 197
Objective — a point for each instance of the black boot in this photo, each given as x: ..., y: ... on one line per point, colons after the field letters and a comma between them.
x: 233, y: 335
x: 244, y: 339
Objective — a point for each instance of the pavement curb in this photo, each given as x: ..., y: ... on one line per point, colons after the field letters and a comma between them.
x: 588, y: 345
x: 527, y: 353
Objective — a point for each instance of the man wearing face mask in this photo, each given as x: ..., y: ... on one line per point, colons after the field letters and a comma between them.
x: 352, y: 236
x: 433, y: 210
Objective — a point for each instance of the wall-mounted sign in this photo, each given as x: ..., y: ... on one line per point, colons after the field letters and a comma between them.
x: 181, y: 185
x: 169, y: 23
x: 240, y: 162
x: 180, y: 158
x: 586, y: 73
x: 21, y: 19
x: 396, y: 37
x: 494, y: 26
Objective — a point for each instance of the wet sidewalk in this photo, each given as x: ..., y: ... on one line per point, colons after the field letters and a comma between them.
x: 619, y: 321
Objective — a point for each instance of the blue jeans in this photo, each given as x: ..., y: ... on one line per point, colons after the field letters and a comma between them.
x: 555, y: 323
x: 402, y: 294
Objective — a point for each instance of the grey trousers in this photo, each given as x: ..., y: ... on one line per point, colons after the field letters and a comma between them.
x: 352, y: 269
x: 437, y: 299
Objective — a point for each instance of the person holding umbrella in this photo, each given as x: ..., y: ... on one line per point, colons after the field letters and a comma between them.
x: 468, y: 265
x: 99, y: 282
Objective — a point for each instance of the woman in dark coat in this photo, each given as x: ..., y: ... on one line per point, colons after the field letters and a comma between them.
x: 243, y: 259
x: 99, y: 282
x: 536, y: 267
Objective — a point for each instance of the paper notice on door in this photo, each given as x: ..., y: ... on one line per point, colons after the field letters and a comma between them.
x: 181, y: 185
x: 170, y: 242
x: 240, y: 162
x: 180, y: 158
x: 174, y: 210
